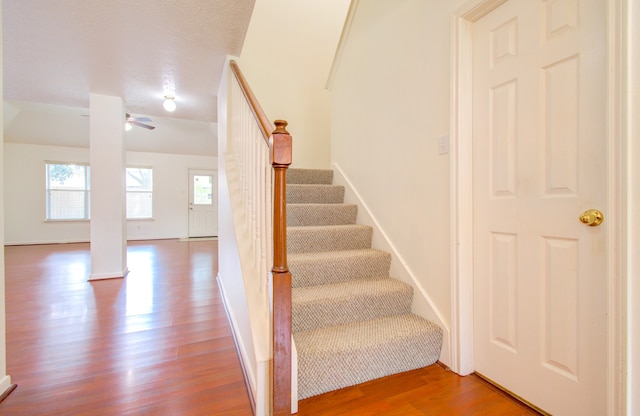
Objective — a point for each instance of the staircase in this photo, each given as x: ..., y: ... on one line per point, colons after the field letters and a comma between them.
x: 351, y: 322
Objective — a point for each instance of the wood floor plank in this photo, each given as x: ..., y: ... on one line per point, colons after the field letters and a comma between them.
x: 426, y: 391
x: 158, y: 343
x: 154, y: 343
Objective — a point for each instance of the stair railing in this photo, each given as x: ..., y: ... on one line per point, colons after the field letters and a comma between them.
x: 264, y: 194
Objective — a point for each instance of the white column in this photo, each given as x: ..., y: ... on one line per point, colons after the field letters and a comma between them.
x: 108, y: 193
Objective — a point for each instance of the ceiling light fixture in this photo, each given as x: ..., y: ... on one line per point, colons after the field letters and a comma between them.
x: 169, y: 103
x: 127, y: 126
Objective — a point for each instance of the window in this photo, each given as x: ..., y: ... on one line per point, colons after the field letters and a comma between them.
x: 139, y: 193
x: 67, y: 191
x: 202, y: 190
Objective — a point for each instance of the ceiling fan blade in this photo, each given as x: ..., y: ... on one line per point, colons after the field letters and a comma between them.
x: 144, y: 119
x: 137, y: 123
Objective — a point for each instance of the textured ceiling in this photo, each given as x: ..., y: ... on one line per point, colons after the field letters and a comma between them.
x: 58, y: 52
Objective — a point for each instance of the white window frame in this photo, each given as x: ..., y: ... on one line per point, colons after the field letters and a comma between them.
x: 86, y: 190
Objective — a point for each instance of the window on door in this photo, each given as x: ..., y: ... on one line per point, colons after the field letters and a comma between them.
x: 67, y: 191
x: 139, y: 193
x: 202, y: 190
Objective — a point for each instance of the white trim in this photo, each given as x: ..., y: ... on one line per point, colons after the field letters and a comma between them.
x: 461, y: 201
x: 294, y: 376
x: 461, y: 169
x: 43, y: 242
x: 112, y: 275
x: 346, y: 29
x: 619, y: 143
x: 254, y: 382
x: 462, y: 191
x: 422, y: 304
x: 242, y: 354
x: 632, y: 240
x: 5, y: 384
x: 263, y: 395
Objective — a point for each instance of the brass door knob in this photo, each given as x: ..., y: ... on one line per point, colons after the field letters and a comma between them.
x: 592, y: 217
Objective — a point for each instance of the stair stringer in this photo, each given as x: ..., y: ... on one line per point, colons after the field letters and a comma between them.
x: 422, y: 304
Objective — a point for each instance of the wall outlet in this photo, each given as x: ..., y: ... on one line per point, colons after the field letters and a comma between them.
x: 443, y: 145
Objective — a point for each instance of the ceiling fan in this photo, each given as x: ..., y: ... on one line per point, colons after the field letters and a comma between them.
x: 138, y: 121
x: 131, y: 121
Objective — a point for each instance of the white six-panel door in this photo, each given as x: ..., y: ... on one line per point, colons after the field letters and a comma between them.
x: 539, y: 162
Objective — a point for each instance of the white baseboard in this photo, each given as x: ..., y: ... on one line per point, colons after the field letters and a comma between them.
x: 6, y: 387
x: 42, y: 242
x: 111, y: 275
x: 258, y: 381
x: 249, y: 375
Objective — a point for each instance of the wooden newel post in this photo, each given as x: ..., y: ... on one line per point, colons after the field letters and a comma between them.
x: 280, y: 161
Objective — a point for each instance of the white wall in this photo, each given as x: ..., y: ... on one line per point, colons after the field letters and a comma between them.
x: 286, y: 58
x: 24, y: 191
x: 390, y: 104
x: 170, y: 193
x: 5, y: 380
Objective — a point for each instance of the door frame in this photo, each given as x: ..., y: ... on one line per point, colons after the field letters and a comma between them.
x: 462, y: 279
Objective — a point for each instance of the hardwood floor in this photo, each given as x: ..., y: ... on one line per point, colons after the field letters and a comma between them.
x: 427, y: 391
x: 158, y: 343
x: 154, y: 343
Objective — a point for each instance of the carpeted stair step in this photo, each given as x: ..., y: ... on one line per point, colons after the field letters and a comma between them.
x: 314, y: 194
x: 320, y: 176
x: 351, y: 322
x: 328, y: 238
x: 342, y: 303
x: 326, y: 267
x: 334, y: 357
x: 321, y: 214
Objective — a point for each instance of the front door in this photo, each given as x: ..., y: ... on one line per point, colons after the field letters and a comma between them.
x: 203, y: 203
x: 540, y: 161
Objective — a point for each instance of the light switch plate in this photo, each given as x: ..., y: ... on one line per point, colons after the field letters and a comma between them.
x: 443, y: 145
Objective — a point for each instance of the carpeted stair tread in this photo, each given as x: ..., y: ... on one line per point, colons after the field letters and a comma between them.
x: 351, y: 322
x: 341, y: 303
x: 321, y: 214
x: 320, y: 176
x: 314, y: 194
x: 337, y: 266
x: 334, y: 357
x: 328, y: 238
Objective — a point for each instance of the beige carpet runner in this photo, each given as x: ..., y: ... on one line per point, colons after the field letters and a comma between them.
x: 351, y: 322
